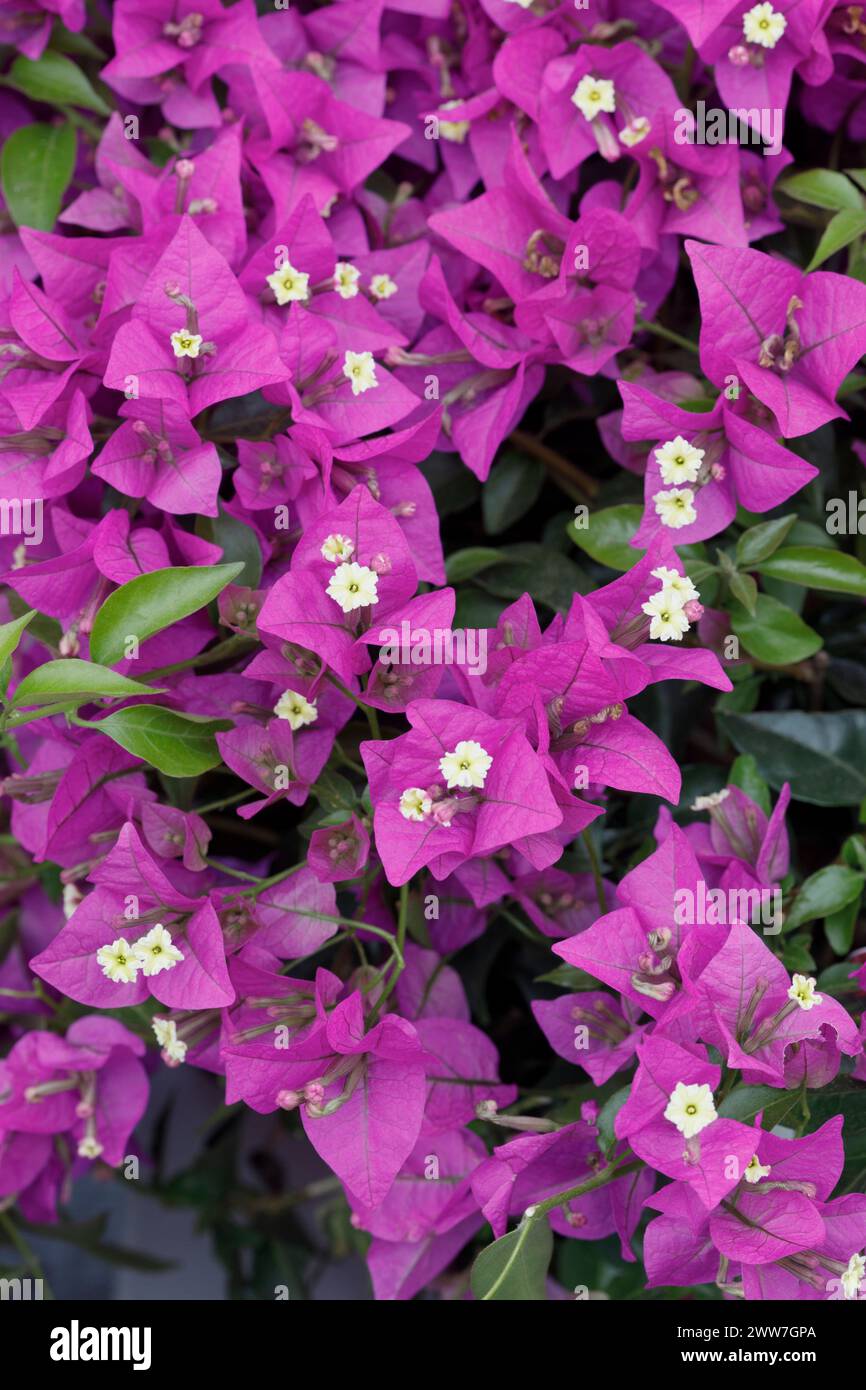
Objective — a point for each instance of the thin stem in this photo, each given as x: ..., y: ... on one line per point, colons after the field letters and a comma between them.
x: 595, y: 865
x: 232, y: 646
x: 650, y: 326
x: 567, y: 474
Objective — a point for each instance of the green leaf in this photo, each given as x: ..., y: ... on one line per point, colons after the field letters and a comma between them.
x: 823, y: 893
x: 846, y: 1098
x: 182, y: 745
x: 745, y: 1102
x: 514, y: 1268
x: 744, y: 590
x: 238, y: 542
x: 606, y: 538
x: 841, y: 230
x: 334, y: 792
x: 464, y: 564
x: 510, y: 491
x: 35, y: 168
x: 11, y: 633
x: 823, y: 756
x: 821, y: 188
x: 817, y: 568
x: 839, y: 927
x: 70, y: 679
x: 55, y: 80
x: 548, y: 576
x: 745, y: 775
x: 606, y: 1116
x: 760, y: 541
x: 773, y: 634
x: 154, y: 601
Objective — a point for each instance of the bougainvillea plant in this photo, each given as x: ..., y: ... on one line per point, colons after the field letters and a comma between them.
x: 432, y: 649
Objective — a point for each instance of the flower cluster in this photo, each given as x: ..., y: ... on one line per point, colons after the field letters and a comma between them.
x: 295, y: 342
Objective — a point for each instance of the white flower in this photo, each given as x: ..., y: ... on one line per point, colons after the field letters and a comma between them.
x: 679, y: 584
x: 296, y: 709
x: 524, y: 4
x: 467, y: 766
x: 346, y: 277
x: 676, y: 507
x: 186, y: 344
x: 455, y: 131
x: 706, y: 803
x: 764, y: 25
x: 353, y: 586
x: 594, y: 94
x: 691, y: 1109
x: 174, y: 1047
x: 679, y: 461
x: 360, y: 369
x: 415, y: 804
x: 289, y: 284
x: 156, y: 951
x: 853, y: 1275
x: 756, y: 1170
x: 89, y: 1147
x: 382, y: 286
x: 636, y: 131
x: 802, y: 992
x: 72, y: 896
x: 336, y: 548
x: 118, y: 962
x: 669, y: 622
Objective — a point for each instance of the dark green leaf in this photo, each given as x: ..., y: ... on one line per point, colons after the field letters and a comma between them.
x: 817, y: 568
x: 823, y: 893
x: 760, y: 541
x: 510, y: 491
x: 823, y: 756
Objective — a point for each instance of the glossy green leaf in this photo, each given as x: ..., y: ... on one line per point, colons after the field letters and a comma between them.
x: 181, y: 745
x: 823, y: 893
x: 607, y: 536
x: 773, y: 634
x: 760, y: 541
x: 69, y: 678
x: 823, y: 756
x: 154, y: 601
x: 817, y: 568
x: 55, y: 80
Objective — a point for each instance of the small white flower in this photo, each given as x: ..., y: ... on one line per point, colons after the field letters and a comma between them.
x: 118, y: 962
x: 89, y: 1147
x: 415, y: 804
x: 346, y: 277
x: 72, y: 896
x: 360, y: 369
x: 706, y: 803
x: 802, y: 992
x: 676, y: 507
x: 679, y: 461
x: 353, y: 586
x: 289, y: 284
x: 455, y: 131
x: 156, y: 951
x: 679, y: 584
x: 636, y: 131
x: 594, y: 94
x: 756, y: 1170
x: 186, y: 344
x: 669, y: 622
x: 467, y: 766
x: 336, y: 548
x: 764, y: 25
x: 296, y: 709
x: 524, y: 4
x: 853, y: 1276
x: 174, y: 1047
x: 691, y: 1109
x: 382, y: 286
